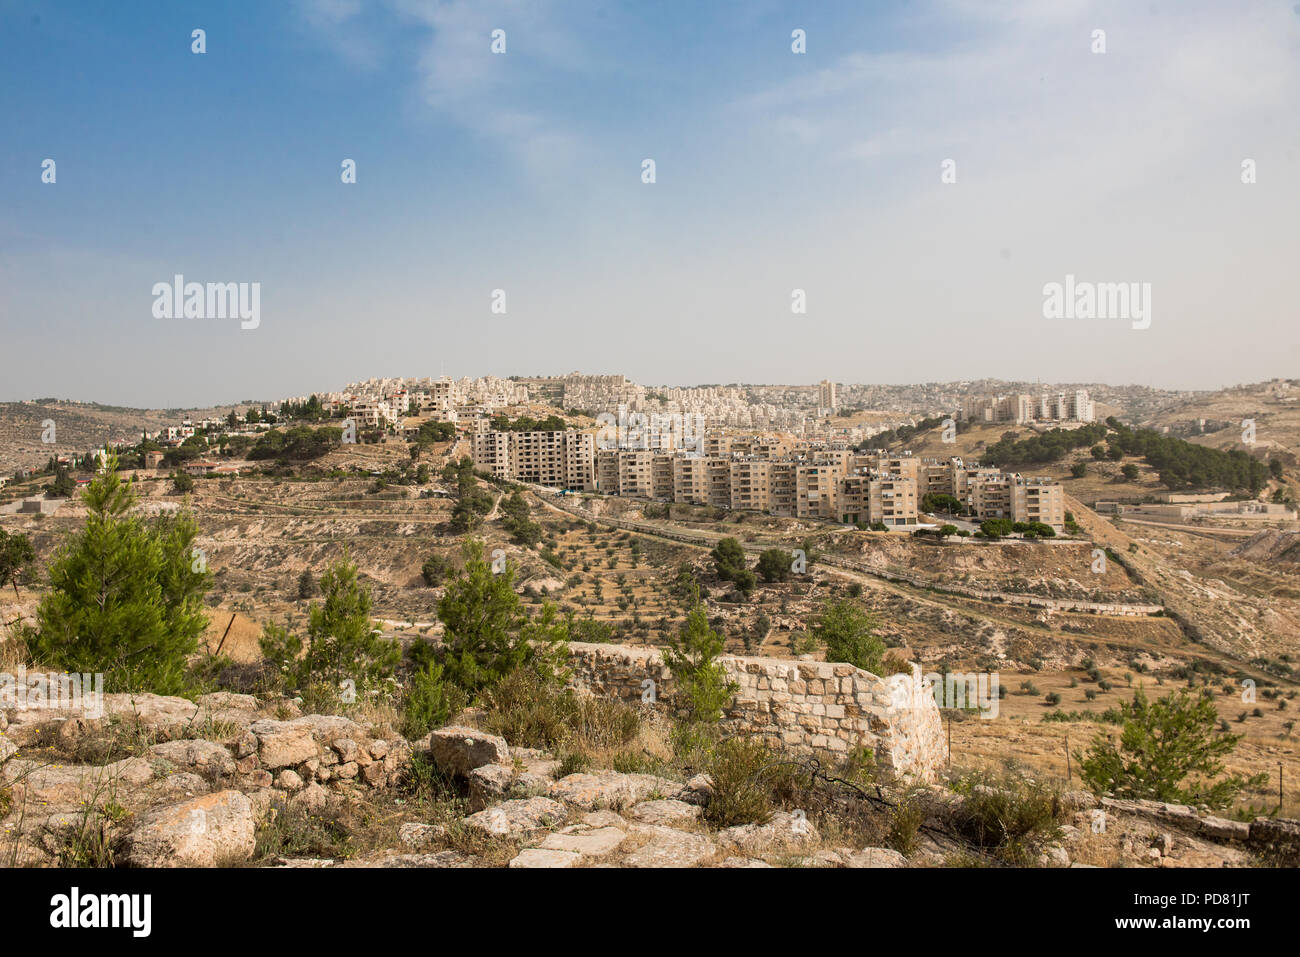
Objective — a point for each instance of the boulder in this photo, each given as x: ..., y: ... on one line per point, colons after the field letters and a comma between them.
x: 665, y: 811
x: 205, y: 758
x: 459, y: 750
x: 875, y: 857
x: 610, y: 789
x: 783, y: 832
x: 419, y: 836
x: 226, y: 700
x: 585, y: 841
x: 668, y: 847
x: 544, y: 857
x: 493, y: 783
x: 202, y: 832
x: 516, y: 817
x: 281, y: 744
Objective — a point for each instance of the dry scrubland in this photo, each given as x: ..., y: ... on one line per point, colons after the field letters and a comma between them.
x: 260, y: 534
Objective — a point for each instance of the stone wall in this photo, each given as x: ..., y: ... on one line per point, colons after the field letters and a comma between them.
x: 810, y: 707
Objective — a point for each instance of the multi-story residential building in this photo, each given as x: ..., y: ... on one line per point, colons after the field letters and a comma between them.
x: 868, y: 497
x: 1011, y: 496
x: 635, y: 474
x: 661, y: 478
x: 1038, y: 500
x: 538, y: 458
x: 554, y: 459
x: 719, y: 475
x: 751, y: 484
x: 817, y: 491
x: 783, y: 493
x: 491, y: 453
x: 827, y: 484
x: 991, y: 496
x: 607, y: 470
x: 826, y: 397
x: 1074, y: 406
x: 690, y: 480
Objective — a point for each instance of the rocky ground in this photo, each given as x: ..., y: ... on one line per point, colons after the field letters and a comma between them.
x: 230, y: 780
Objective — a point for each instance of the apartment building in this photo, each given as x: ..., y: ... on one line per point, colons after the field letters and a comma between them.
x: 661, y: 478
x: 1011, y: 496
x: 539, y: 458
x: 555, y: 459
x: 635, y: 474
x: 826, y: 397
x: 991, y: 496
x: 817, y: 491
x: 832, y: 485
x: 783, y: 492
x: 719, y: 478
x: 1022, y: 409
x: 491, y: 453
x: 1038, y: 500
x: 690, y: 480
x: 607, y: 470
x: 751, y: 484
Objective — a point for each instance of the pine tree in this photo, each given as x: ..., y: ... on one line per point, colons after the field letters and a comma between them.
x: 692, y: 656
x: 487, y: 634
x: 481, y: 616
x: 1162, y: 745
x: 126, y: 596
x: 849, y: 635
x: 16, y: 556
x: 342, y: 642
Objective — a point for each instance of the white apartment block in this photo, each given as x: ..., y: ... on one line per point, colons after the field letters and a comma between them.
x: 554, y: 459
x: 833, y: 485
x: 1022, y: 409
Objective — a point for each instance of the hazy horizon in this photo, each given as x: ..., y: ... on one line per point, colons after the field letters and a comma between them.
x: 521, y: 171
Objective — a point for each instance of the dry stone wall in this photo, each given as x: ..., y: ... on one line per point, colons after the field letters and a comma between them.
x: 803, y: 706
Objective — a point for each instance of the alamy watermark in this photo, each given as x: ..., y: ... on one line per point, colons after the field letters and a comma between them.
x: 53, y: 691
x: 179, y: 299
x: 961, y: 691
x: 1098, y: 300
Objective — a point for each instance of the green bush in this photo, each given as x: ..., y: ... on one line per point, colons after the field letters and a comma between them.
x: 849, y: 635
x: 1008, y: 814
x: 430, y: 702
x: 740, y: 793
x: 1169, y: 750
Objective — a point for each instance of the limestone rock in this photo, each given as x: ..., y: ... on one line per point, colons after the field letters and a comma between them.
x: 206, y: 758
x: 202, y: 832
x: 585, y: 842
x: 283, y: 743
x: 543, y: 857
x: 493, y: 783
x: 311, y: 798
x: 227, y: 700
x: 783, y: 832
x: 418, y: 836
x: 459, y: 750
x: 664, y: 811
x: 876, y: 857
x: 515, y: 817
x: 609, y: 789
x: 668, y: 847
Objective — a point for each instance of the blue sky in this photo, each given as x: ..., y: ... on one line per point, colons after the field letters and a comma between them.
x: 521, y: 172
